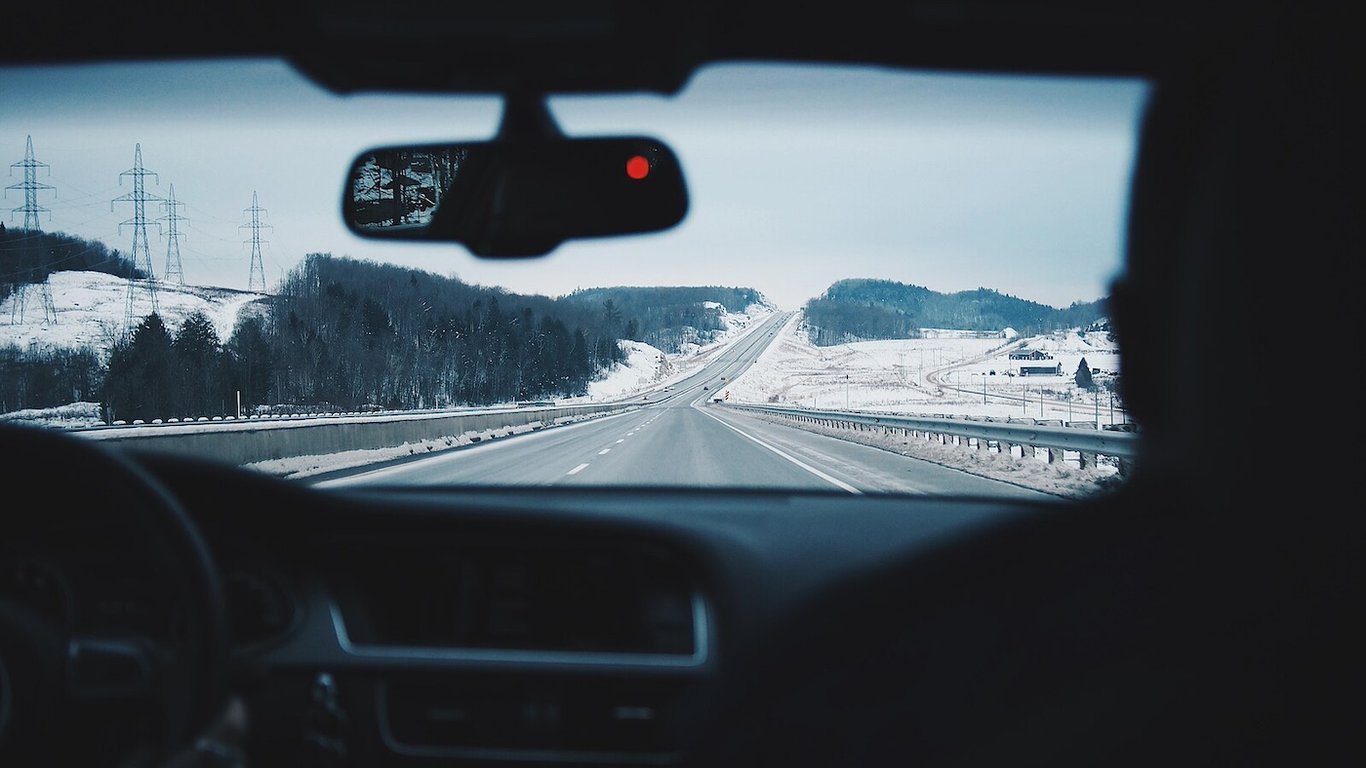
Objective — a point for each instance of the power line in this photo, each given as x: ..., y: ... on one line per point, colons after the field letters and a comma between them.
x: 256, y: 277
x: 142, y: 256
x: 31, y: 186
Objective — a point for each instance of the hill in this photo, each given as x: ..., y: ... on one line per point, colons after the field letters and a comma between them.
x: 338, y: 333
x: 89, y: 310
x: 674, y: 319
x: 29, y: 256
x: 865, y: 310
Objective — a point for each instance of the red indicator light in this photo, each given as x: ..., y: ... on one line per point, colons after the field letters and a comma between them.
x: 637, y: 167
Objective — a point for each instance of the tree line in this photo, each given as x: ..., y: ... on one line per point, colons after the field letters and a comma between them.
x: 30, y: 255
x: 345, y: 334
x: 668, y: 317
x: 867, y: 310
x: 359, y: 333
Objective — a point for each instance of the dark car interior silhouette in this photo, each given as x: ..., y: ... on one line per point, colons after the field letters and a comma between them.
x: 1205, y: 612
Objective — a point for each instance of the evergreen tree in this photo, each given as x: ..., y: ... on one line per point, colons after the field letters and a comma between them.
x: 140, y: 382
x: 198, y: 361
x: 250, y: 362
x: 1084, y: 379
x: 611, y: 315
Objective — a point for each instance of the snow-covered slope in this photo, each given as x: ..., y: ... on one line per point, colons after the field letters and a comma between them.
x: 90, y: 309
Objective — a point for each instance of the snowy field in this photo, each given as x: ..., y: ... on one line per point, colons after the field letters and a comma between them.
x: 955, y: 373
x: 90, y: 309
x: 948, y: 373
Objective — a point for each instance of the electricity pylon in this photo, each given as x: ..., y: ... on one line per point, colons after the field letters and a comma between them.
x: 174, y: 272
x: 142, y: 255
x: 31, y: 186
x: 256, y: 277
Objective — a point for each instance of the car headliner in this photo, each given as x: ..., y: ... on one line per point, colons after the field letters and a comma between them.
x: 623, y: 46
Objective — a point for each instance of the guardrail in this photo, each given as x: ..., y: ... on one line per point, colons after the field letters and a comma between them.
x: 1054, y: 437
x: 252, y: 440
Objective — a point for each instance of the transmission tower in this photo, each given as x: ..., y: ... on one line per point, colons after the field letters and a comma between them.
x: 20, y: 300
x: 31, y: 209
x: 31, y: 186
x: 256, y: 278
x: 142, y: 255
x: 174, y: 273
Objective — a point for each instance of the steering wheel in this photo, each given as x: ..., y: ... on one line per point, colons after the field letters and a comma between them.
x: 106, y: 683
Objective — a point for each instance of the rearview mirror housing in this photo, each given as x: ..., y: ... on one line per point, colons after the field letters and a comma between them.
x: 520, y: 197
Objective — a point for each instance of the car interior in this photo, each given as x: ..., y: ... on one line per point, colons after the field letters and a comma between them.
x: 1198, y: 614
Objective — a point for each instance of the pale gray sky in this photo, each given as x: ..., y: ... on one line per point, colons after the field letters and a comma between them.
x: 798, y: 177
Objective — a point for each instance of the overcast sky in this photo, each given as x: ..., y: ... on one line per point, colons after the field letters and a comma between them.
x: 797, y: 177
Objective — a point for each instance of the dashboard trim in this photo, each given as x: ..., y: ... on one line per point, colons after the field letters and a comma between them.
x: 702, y: 649
x: 608, y: 757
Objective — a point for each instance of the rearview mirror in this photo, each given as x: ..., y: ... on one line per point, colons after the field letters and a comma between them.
x: 515, y: 198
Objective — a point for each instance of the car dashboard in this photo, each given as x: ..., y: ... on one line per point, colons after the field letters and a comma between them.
x: 517, y: 627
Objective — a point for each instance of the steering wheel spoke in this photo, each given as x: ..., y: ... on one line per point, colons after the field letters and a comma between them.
x: 103, y: 668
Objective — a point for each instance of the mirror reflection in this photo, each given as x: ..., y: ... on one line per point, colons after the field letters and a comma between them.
x: 516, y: 198
x: 401, y: 188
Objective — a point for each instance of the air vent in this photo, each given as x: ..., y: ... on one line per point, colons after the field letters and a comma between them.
x: 601, y: 720
x: 549, y: 598
x: 260, y: 609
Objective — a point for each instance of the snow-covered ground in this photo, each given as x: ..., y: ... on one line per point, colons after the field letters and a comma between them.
x: 648, y: 368
x: 90, y: 309
x: 944, y: 373
x: 947, y: 373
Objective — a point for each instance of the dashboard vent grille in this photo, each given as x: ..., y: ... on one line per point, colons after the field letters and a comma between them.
x: 550, y: 598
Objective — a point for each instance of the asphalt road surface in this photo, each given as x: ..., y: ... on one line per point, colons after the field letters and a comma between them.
x: 680, y: 438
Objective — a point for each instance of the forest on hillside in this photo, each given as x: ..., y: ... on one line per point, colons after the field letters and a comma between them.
x: 869, y: 310
x: 668, y: 317
x: 346, y: 334
x: 28, y: 256
x: 360, y: 333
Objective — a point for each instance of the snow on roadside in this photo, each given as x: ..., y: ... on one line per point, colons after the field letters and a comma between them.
x: 644, y: 367
x: 942, y: 373
x: 72, y: 416
x: 647, y: 368
x: 919, y: 376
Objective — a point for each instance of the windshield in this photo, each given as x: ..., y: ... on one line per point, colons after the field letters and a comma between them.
x: 886, y: 282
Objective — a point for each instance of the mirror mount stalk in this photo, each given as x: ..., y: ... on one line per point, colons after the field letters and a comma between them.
x: 526, y: 117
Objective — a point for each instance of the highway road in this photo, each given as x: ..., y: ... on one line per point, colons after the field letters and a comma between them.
x: 682, y: 439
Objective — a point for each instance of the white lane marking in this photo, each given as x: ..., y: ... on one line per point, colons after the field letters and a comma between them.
x: 604, y: 451
x: 577, y: 469
x: 622, y: 440
x: 834, y: 480
x: 475, y: 449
